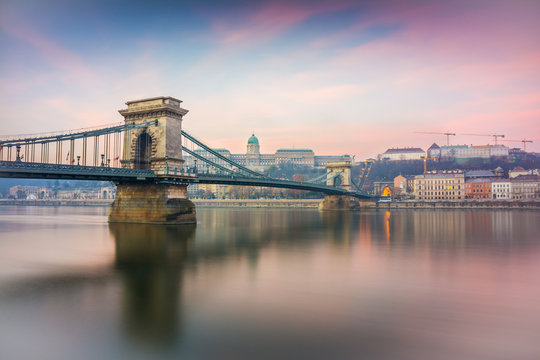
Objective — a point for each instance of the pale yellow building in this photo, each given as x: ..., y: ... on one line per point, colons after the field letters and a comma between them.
x: 440, y: 186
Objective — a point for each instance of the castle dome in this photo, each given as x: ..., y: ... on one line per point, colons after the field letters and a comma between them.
x: 253, y: 140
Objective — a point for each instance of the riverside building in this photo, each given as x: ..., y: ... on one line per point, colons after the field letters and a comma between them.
x: 440, y: 186
x: 525, y: 187
x: 501, y: 189
x: 478, y: 188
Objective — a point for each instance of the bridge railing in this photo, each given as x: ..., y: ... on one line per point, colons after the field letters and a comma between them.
x: 48, y: 170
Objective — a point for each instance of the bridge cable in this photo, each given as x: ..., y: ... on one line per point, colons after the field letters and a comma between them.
x: 335, y: 175
x: 202, y: 158
x: 218, y: 155
x: 319, y: 178
x: 78, y: 135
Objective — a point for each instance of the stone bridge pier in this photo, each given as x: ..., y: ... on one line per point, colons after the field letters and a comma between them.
x: 157, y: 148
x: 339, y: 175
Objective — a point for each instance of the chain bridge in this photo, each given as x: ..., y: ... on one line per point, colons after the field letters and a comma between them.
x: 143, y: 156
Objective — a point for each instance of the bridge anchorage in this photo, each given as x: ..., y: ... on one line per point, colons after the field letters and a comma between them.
x: 143, y: 157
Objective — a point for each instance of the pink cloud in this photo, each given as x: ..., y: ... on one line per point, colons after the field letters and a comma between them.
x: 70, y: 65
x: 270, y: 20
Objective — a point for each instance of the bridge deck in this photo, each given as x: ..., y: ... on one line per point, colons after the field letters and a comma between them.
x: 19, y: 169
x: 28, y: 170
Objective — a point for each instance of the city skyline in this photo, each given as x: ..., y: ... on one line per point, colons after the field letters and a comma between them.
x: 341, y: 77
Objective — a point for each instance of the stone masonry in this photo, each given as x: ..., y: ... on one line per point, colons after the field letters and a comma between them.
x: 166, y: 148
x: 152, y: 203
x: 161, y: 147
x: 339, y: 202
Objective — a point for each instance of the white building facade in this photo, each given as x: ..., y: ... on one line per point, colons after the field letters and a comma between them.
x: 501, y: 189
x: 467, y: 152
x: 402, y: 154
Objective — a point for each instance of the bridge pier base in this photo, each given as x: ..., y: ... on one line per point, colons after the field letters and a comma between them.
x: 340, y: 202
x: 152, y: 203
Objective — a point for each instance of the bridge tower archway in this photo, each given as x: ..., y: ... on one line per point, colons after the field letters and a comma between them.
x: 343, y: 180
x: 158, y: 147
x: 143, y: 151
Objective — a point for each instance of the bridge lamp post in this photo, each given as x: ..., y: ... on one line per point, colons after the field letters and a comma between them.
x: 102, y: 159
x: 78, y: 160
x: 18, y: 147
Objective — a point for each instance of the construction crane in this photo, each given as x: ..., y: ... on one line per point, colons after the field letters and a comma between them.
x: 425, y: 163
x: 524, y: 141
x: 448, y: 134
x: 495, y: 136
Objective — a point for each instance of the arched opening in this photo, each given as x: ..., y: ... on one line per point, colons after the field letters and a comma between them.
x: 386, y: 191
x: 143, y: 151
x: 338, y: 181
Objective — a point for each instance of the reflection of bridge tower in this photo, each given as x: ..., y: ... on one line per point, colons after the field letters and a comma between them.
x: 151, y: 259
x: 156, y: 147
x: 343, y: 180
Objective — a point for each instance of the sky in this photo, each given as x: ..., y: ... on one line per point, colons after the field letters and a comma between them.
x: 338, y: 77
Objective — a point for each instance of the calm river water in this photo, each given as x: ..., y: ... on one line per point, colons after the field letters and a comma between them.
x: 277, y: 284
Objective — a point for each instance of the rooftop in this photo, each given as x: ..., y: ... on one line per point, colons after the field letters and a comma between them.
x: 479, y: 180
x: 526, y: 178
x: 294, y: 150
x: 403, y: 150
x: 253, y: 139
x: 479, y: 173
x: 455, y: 147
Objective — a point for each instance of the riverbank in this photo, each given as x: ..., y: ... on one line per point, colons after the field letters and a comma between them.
x: 68, y: 202
x: 300, y: 203
x: 469, y: 204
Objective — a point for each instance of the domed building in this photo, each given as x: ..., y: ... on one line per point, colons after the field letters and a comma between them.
x: 253, y: 145
x: 253, y: 152
x: 254, y: 160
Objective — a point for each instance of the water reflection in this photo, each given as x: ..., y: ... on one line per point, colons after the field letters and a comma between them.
x: 277, y: 282
x: 150, y: 259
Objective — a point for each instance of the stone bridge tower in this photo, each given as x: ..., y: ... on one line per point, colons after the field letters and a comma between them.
x: 158, y: 147
x: 343, y: 180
